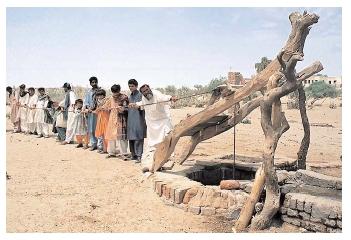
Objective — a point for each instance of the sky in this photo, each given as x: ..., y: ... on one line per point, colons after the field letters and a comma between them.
x: 159, y: 46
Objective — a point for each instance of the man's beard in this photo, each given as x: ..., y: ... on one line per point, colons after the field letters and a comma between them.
x: 149, y: 96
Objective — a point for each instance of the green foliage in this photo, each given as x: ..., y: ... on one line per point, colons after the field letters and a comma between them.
x: 262, y: 65
x: 215, y: 83
x: 320, y: 89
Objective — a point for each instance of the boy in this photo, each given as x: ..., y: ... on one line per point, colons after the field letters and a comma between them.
x: 102, y: 120
x: 80, y: 125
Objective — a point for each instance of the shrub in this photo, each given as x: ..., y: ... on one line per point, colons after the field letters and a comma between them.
x: 320, y: 90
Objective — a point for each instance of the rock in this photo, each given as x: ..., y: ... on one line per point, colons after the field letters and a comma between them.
x: 316, y: 227
x: 258, y: 207
x: 229, y: 184
x: 283, y: 210
x: 293, y: 221
x: 286, y: 188
x: 282, y: 176
x: 196, y: 200
x: 233, y: 213
x: 208, y: 211
x: 308, y: 207
x: 189, y: 195
x: 194, y: 209
x: 179, y: 194
x: 318, y: 179
x: 292, y: 204
x: 217, y: 202
x: 292, y: 213
x: 320, y: 211
x: 299, y: 204
x: 330, y: 223
x: 208, y: 198
x: 339, y: 223
x: 305, y: 216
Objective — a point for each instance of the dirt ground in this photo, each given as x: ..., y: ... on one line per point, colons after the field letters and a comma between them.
x: 55, y: 188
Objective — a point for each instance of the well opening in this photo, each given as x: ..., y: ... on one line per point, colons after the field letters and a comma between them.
x: 213, y: 175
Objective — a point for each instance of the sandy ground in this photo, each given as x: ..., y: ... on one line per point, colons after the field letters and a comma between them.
x: 55, y: 188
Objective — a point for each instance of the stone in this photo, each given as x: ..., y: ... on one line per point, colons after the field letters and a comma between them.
x: 179, y: 194
x: 317, y: 179
x: 305, y: 216
x: 189, y: 195
x: 286, y: 202
x: 333, y: 230
x: 316, y: 227
x: 283, y: 210
x: 217, y: 202
x: 292, y: 204
x: 317, y: 220
x: 182, y: 206
x: 307, y: 207
x: 194, y: 209
x: 330, y: 223
x: 224, y: 203
x: 229, y: 184
x: 286, y: 188
x: 159, y: 188
x: 221, y: 211
x: 196, y: 200
x: 208, y: 211
x: 166, y: 191
x: 282, y: 176
x: 293, y: 221
x: 232, y: 213
x: 299, y: 205
x: 320, y: 211
x: 258, y: 207
x: 339, y: 223
x: 292, y: 213
x: 208, y: 199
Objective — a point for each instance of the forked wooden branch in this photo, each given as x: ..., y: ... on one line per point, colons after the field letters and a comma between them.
x: 300, y: 28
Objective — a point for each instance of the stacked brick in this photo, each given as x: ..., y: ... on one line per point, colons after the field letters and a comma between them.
x: 196, y: 198
x: 314, y: 213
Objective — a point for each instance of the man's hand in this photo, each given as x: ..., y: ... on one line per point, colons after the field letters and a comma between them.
x: 133, y: 105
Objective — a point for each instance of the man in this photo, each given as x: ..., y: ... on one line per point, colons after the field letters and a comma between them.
x: 13, y: 102
x: 90, y: 106
x: 68, y: 114
x: 136, y: 126
x: 41, y: 116
x: 158, y: 120
x: 22, y: 112
x: 32, y: 103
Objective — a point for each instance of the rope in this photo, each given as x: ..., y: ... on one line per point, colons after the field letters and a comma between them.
x: 147, y: 104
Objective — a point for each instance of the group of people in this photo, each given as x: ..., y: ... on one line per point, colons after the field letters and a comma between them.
x: 97, y: 122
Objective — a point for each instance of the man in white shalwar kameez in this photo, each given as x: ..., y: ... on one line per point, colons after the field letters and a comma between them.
x: 40, y: 115
x: 22, y: 112
x: 32, y: 103
x: 69, y: 101
x: 158, y: 121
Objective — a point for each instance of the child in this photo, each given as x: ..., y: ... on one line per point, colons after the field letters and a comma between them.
x: 102, y: 120
x: 80, y: 126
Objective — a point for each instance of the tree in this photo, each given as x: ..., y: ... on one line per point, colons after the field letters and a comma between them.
x: 263, y: 64
x: 320, y: 89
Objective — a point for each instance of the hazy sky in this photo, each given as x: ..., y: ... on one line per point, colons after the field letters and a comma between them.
x: 160, y: 46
